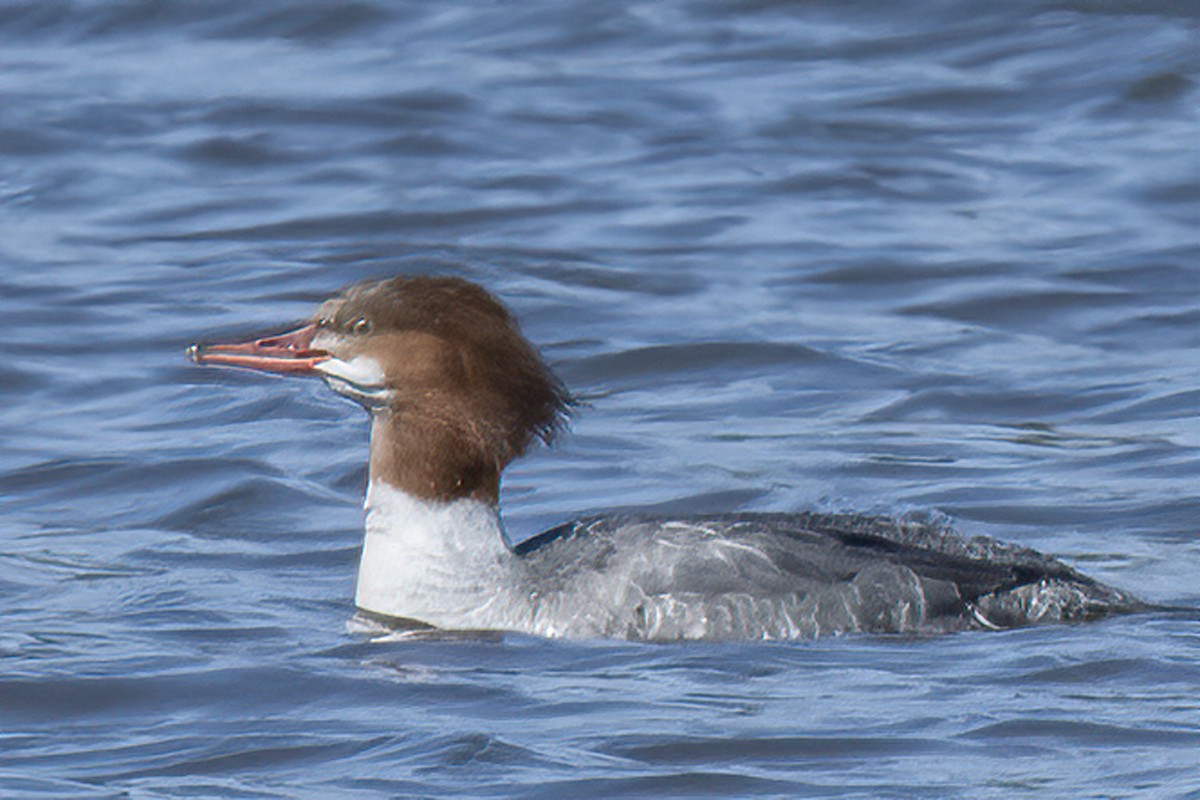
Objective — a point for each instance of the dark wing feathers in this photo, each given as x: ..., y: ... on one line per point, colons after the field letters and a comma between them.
x: 931, y: 549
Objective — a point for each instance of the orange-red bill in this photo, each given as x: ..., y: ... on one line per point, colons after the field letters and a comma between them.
x: 288, y: 352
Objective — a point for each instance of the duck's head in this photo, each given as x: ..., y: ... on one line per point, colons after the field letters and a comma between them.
x: 456, y: 391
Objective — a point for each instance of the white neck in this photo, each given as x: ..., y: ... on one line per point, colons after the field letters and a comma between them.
x: 442, y: 563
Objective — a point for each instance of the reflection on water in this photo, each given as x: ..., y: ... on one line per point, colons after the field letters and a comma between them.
x: 792, y: 255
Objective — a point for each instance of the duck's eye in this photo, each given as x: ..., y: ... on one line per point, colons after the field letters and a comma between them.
x: 361, y: 325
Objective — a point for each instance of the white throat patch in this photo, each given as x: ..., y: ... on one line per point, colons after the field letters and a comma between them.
x: 361, y: 379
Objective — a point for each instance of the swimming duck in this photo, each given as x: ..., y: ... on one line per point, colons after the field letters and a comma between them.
x: 456, y: 392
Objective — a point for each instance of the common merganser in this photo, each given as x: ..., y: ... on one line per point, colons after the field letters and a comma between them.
x: 456, y: 392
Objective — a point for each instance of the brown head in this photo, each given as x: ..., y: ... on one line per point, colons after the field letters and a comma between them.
x: 455, y: 389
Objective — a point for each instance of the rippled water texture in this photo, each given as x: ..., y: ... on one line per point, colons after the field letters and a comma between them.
x: 935, y: 256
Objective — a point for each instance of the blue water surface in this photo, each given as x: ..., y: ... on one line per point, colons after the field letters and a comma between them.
x: 935, y: 256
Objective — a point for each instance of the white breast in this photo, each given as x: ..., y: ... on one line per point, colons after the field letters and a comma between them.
x: 441, y: 563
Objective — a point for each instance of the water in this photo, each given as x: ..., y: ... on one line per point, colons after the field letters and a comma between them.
x: 802, y: 255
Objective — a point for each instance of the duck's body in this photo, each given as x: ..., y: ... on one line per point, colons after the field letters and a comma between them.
x: 731, y: 576
x: 455, y: 393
